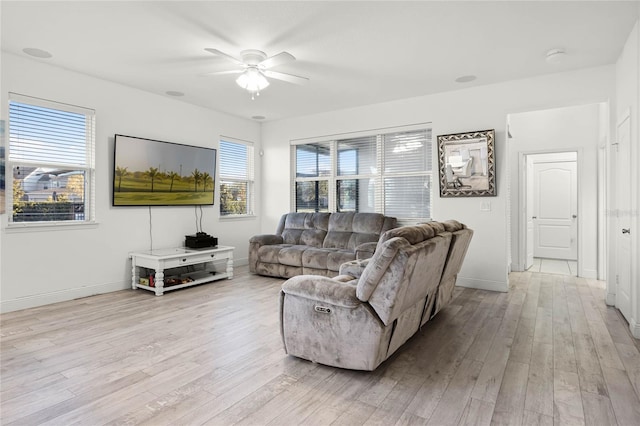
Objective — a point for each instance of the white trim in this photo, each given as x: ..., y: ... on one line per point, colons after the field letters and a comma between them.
x: 14, y: 227
x: 482, y: 284
x: 634, y: 327
x: 46, y: 103
x: 232, y: 217
x: 74, y: 293
x: 60, y: 296
x: 234, y: 140
x: 363, y: 133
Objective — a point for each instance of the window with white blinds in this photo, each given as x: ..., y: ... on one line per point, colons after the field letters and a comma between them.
x: 236, y: 178
x: 407, y: 174
x: 313, y: 169
x: 387, y: 173
x: 51, y: 157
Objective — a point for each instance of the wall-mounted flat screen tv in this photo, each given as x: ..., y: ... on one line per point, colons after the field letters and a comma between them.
x: 148, y: 172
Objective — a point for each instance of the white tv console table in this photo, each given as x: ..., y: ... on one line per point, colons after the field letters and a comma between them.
x: 161, y: 259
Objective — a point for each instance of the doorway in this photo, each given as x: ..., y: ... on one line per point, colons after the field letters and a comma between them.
x: 551, y: 212
x: 580, y: 130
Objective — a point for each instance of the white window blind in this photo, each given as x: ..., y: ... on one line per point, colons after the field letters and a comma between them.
x: 313, y: 160
x: 357, y: 172
x: 51, y: 157
x: 45, y: 135
x: 407, y: 174
x: 236, y: 178
x: 313, y: 169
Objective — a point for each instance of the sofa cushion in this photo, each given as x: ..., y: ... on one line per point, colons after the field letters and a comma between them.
x: 348, y: 230
x: 413, y: 234
x: 368, y: 223
x: 269, y: 254
x: 315, y: 258
x: 305, y: 228
x: 292, y: 236
x: 292, y: 256
x: 338, y: 257
x: 313, y: 237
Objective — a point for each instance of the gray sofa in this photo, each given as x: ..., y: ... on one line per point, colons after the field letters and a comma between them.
x: 316, y: 243
x: 361, y: 317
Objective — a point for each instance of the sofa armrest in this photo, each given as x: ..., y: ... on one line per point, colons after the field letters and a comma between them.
x: 354, y: 268
x: 366, y: 250
x: 266, y: 239
x: 322, y: 289
x: 258, y: 241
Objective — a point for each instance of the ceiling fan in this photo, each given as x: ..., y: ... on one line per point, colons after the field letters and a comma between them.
x: 255, y: 67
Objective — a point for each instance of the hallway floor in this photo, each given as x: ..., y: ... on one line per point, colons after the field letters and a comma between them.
x: 554, y: 266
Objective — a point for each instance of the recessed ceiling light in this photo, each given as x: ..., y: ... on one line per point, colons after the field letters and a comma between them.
x: 555, y: 56
x: 465, y: 78
x: 258, y: 117
x: 174, y: 93
x: 37, y: 53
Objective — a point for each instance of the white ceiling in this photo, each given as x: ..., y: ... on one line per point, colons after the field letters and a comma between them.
x: 354, y: 53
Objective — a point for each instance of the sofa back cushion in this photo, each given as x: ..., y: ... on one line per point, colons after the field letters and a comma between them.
x: 309, y: 229
x: 346, y: 231
x: 406, y: 267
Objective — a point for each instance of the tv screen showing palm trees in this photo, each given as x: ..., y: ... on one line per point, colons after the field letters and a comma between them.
x: 154, y: 173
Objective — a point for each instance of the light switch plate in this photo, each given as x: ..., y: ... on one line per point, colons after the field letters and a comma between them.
x: 485, y: 206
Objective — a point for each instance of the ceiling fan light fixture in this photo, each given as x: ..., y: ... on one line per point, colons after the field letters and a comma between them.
x: 252, y: 80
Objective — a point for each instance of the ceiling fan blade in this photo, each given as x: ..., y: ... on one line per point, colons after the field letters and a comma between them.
x: 289, y: 78
x: 225, y: 55
x: 280, y: 58
x: 223, y: 72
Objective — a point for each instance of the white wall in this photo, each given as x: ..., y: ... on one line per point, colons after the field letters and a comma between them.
x: 44, y: 266
x: 479, y: 108
x: 628, y: 97
x: 560, y: 129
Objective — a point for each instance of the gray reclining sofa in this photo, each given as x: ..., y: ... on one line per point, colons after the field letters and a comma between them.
x: 361, y: 317
x: 316, y: 243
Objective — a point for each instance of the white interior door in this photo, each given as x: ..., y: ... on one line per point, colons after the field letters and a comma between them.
x: 623, y: 220
x: 555, y: 205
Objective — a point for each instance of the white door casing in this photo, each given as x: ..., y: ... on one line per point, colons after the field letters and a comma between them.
x: 529, y: 214
x: 623, y: 230
x: 555, y: 209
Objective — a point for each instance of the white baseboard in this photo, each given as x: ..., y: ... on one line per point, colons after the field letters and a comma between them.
x: 73, y: 293
x: 59, y: 296
x: 241, y: 262
x: 516, y: 267
x: 591, y: 274
x: 610, y: 299
x: 635, y: 328
x: 482, y: 284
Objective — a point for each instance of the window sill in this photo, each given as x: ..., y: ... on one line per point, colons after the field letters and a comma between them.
x: 49, y: 226
x: 238, y: 217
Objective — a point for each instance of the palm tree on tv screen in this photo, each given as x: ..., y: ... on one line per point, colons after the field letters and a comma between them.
x: 196, y: 178
x: 152, y: 173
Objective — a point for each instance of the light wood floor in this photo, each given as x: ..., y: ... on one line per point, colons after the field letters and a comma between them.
x: 548, y: 352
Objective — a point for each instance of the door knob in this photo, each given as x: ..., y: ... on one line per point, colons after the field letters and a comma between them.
x: 573, y: 216
x: 626, y: 231
x: 534, y: 217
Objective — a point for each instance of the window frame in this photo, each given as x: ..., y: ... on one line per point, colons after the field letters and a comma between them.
x: 250, y: 181
x: 88, y: 168
x: 379, y: 176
